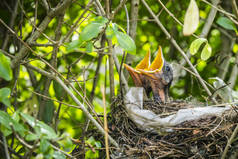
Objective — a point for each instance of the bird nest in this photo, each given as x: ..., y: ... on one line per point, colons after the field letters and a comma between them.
x: 203, y: 138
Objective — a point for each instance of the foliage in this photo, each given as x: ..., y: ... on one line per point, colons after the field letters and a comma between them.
x: 39, y: 119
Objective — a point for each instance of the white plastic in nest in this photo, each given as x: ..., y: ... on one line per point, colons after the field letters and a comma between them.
x: 149, y: 121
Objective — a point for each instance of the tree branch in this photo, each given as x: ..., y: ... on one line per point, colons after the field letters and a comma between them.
x: 24, y: 50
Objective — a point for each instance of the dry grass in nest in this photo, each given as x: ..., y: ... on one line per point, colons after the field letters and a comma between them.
x: 204, y: 138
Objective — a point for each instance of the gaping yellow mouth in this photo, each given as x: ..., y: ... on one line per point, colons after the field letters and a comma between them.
x: 144, y: 66
x: 149, y: 76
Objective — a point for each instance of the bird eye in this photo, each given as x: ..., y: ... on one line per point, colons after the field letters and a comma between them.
x: 167, y: 68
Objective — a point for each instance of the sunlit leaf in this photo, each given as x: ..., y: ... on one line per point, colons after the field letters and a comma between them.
x: 206, y: 52
x: 58, y: 155
x: 93, y: 29
x: 194, y: 47
x: 73, y: 45
x: 43, y: 128
x: 7, y: 121
x: 5, y: 68
x: 44, y: 145
x: 89, y: 47
x: 110, y: 32
x: 191, y: 19
x: 31, y: 137
x: 4, y: 94
x: 126, y: 42
x: 226, y: 23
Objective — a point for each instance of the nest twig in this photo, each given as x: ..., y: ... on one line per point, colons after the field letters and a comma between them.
x: 204, y: 138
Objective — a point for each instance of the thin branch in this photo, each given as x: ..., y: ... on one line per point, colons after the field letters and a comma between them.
x: 235, y: 8
x: 46, y: 5
x: 81, y: 106
x: 100, y: 7
x: 111, y: 62
x: 220, y: 10
x: 101, y: 130
x: 234, y: 73
x: 178, y: 48
x: 114, y: 12
x: 35, y: 17
x: 53, y: 62
x: 123, y: 79
x: 13, y: 17
x: 103, y: 90
x: 75, y: 25
x: 96, y: 76
x: 24, y: 50
x: 127, y: 20
x: 229, y: 142
x: 134, y: 18
x: 5, y: 147
x: 58, y: 149
x: 12, y: 151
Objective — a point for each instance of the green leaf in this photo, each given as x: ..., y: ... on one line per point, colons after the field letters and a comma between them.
x: 194, y: 47
x: 191, y: 19
x: 48, y: 115
x: 100, y: 19
x: 73, y: 45
x: 4, y: 94
x: 93, y: 29
x: 44, y: 145
x: 40, y: 127
x: 226, y: 23
x: 31, y: 137
x: 89, y: 47
x: 5, y: 131
x: 6, y: 121
x: 206, y: 52
x: 5, y: 68
x: 126, y: 42
x: 98, y: 144
x: 110, y: 32
x: 58, y: 155
x: 59, y: 91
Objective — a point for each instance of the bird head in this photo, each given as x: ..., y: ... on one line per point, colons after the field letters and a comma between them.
x: 157, y: 76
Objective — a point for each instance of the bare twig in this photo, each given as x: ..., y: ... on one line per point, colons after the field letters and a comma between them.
x: 229, y: 142
x: 53, y: 62
x: 234, y: 72
x: 103, y: 90
x: 134, y: 18
x: 81, y: 106
x: 114, y: 12
x: 35, y: 17
x: 46, y: 5
x: 100, y: 7
x: 178, y: 48
x: 96, y: 76
x: 24, y: 50
x: 75, y: 25
x: 235, y: 8
x: 224, y: 56
x: 101, y: 130
x: 13, y: 17
x: 111, y: 62
x: 123, y: 79
x: 5, y: 147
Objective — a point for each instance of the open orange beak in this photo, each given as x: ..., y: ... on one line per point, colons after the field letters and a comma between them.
x: 139, y: 79
x: 152, y: 77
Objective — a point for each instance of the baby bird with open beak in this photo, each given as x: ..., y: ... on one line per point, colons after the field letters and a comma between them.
x: 156, y: 77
